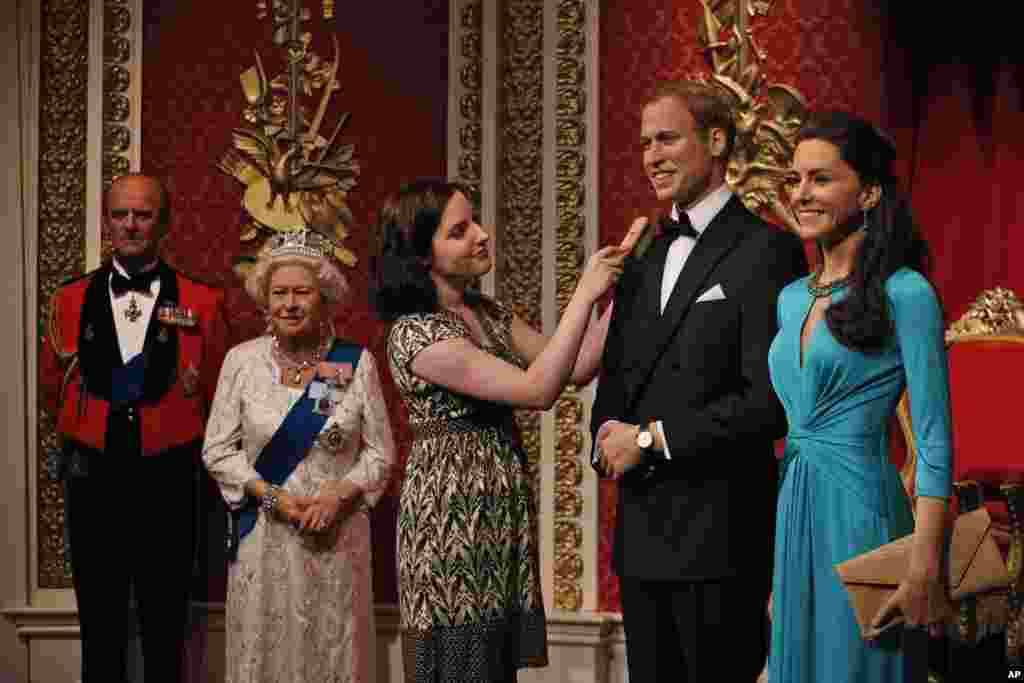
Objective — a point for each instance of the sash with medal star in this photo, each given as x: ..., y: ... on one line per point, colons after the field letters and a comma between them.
x: 290, y: 443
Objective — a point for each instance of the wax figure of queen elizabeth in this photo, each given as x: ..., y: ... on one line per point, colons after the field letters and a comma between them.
x: 300, y: 445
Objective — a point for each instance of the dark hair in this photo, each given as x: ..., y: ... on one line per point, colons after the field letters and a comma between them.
x: 706, y: 104
x: 862, y: 321
x: 407, y: 223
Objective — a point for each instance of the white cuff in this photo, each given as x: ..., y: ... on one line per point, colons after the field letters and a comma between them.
x: 661, y: 431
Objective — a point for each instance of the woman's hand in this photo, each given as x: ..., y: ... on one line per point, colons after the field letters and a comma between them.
x: 291, y: 508
x: 324, y: 509
x: 920, y: 600
x: 605, y: 266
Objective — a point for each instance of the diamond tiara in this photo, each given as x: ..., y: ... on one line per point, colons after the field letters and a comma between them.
x: 300, y: 243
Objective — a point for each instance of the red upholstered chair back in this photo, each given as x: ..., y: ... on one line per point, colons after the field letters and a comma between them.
x: 986, y: 382
x: 986, y: 378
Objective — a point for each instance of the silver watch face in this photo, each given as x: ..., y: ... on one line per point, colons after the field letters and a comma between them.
x: 644, y: 439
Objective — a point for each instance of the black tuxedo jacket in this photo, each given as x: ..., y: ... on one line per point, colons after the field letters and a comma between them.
x: 701, y: 368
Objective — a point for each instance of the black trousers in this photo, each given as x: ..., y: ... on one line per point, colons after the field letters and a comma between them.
x: 694, y: 632
x: 132, y: 525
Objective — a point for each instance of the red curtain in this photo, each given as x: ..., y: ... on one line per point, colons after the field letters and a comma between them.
x: 959, y: 124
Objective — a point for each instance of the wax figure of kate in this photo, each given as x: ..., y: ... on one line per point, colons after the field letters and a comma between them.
x: 128, y: 365
x: 852, y: 336
x: 300, y: 444
x: 469, y: 576
x: 685, y: 415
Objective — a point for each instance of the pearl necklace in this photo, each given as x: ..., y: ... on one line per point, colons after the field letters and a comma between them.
x: 288, y: 362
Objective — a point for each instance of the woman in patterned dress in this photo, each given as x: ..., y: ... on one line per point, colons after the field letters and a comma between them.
x: 469, y: 582
x: 300, y: 445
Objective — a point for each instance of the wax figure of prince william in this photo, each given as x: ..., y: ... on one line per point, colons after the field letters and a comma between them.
x: 685, y: 415
x: 128, y: 365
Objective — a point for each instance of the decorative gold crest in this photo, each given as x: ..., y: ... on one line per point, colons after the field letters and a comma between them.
x: 295, y: 178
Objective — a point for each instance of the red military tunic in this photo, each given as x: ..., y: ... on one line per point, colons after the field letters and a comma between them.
x: 172, y: 412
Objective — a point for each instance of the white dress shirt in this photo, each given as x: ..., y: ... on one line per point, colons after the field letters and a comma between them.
x: 132, y: 335
x: 700, y: 216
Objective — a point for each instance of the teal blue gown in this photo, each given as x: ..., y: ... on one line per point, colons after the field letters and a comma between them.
x: 840, y: 495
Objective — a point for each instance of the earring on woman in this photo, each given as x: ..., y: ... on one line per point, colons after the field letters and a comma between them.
x: 864, y: 225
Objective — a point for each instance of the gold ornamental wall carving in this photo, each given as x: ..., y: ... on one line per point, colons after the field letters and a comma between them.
x: 117, y: 79
x: 768, y: 115
x: 297, y: 173
x: 63, y: 122
x: 570, y: 189
x: 470, y: 55
x: 519, y: 275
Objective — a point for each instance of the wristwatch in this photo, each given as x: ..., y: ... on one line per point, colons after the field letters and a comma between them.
x: 645, y: 442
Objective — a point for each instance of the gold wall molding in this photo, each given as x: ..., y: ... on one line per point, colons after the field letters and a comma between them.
x: 117, y: 80
x: 570, y: 226
x: 469, y: 46
x: 62, y: 180
x: 518, y: 273
x: 117, y: 109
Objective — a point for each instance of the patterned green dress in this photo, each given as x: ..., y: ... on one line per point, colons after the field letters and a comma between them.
x: 468, y: 569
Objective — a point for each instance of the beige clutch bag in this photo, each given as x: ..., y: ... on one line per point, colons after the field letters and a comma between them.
x: 975, y: 566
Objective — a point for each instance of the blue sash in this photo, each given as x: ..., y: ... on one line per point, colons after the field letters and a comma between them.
x: 287, y: 448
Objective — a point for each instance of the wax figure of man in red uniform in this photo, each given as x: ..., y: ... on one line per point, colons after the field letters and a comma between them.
x: 129, y: 365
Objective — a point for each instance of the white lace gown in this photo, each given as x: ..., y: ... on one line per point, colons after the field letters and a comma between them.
x: 299, y: 606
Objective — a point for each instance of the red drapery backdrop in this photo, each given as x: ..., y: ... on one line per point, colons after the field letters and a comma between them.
x: 194, y: 52
x: 952, y: 100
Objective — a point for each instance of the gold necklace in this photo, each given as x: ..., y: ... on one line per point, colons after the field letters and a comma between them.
x: 820, y: 291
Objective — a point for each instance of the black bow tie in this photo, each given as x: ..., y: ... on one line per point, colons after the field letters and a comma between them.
x: 673, y: 228
x: 140, y: 282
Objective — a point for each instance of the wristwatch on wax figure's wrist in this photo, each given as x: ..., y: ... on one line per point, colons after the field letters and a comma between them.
x: 645, y: 442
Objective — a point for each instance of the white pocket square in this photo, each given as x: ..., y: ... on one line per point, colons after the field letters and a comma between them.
x: 713, y: 294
